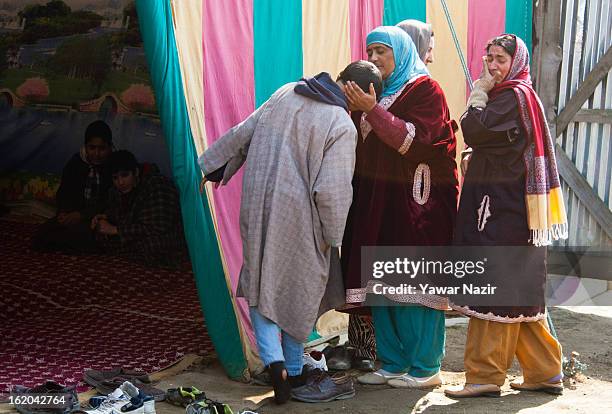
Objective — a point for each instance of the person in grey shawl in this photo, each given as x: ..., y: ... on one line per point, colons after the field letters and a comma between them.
x: 298, y: 149
x: 423, y: 37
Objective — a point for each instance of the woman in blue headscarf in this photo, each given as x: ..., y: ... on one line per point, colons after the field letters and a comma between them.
x: 404, y: 194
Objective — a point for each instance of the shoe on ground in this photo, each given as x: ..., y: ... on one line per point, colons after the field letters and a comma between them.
x: 69, y: 395
x: 96, y: 377
x: 263, y: 378
x: 110, y: 404
x: 409, y: 381
x: 321, y: 387
x: 134, y: 406
x: 379, y: 377
x: 339, y: 358
x: 362, y: 364
x: 137, y: 398
x: 117, y: 395
x: 183, y: 396
x: 474, y: 390
x: 553, y: 388
x: 108, y: 386
x: 208, y: 406
x: 297, y: 381
x: 315, y: 360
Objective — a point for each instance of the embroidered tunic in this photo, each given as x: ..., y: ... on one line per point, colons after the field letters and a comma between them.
x: 492, y: 208
x: 404, y: 191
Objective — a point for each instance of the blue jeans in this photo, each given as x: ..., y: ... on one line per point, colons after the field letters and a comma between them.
x: 276, y: 345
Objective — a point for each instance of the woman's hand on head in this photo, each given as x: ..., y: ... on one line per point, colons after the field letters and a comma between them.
x: 359, y: 100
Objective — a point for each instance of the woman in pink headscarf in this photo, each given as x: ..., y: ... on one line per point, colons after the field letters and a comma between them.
x: 511, y: 196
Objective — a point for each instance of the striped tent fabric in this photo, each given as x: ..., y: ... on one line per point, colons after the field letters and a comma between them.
x: 212, y: 63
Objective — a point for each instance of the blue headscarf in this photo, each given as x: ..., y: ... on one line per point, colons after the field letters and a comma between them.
x: 407, y: 61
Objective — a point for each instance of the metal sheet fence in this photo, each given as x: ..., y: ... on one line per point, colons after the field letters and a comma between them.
x: 586, y: 34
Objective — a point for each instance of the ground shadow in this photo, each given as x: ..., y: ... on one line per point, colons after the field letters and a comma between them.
x: 368, y: 400
x: 508, y: 403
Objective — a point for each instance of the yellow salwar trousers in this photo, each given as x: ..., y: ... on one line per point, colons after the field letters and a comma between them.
x: 491, y: 347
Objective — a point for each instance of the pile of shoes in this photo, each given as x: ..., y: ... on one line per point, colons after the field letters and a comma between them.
x: 311, y: 360
x: 315, y: 384
x: 63, y: 400
x: 124, y: 399
x: 107, y: 381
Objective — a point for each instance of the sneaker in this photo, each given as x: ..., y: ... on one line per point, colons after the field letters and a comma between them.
x: 134, y: 406
x: 110, y: 404
x: 108, y: 386
x: 137, y: 399
x: 116, y: 395
x: 315, y: 360
x: 379, y: 377
x: 408, y: 381
x: 321, y: 387
x: 208, y: 406
x: 183, y: 396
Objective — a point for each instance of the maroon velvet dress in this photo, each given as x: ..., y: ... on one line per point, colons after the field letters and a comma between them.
x: 403, y: 200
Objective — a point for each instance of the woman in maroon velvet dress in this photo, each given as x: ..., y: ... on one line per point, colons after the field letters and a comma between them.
x: 404, y: 194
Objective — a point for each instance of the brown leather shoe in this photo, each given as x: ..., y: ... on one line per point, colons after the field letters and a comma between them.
x: 554, y: 388
x: 475, y: 390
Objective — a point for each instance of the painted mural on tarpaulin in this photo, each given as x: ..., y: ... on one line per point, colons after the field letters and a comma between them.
x: 81, y: 55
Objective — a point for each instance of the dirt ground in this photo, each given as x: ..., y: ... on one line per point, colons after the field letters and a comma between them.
x: 588, y: 334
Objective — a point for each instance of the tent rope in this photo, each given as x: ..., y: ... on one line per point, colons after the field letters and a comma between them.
x: 451, y: 26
